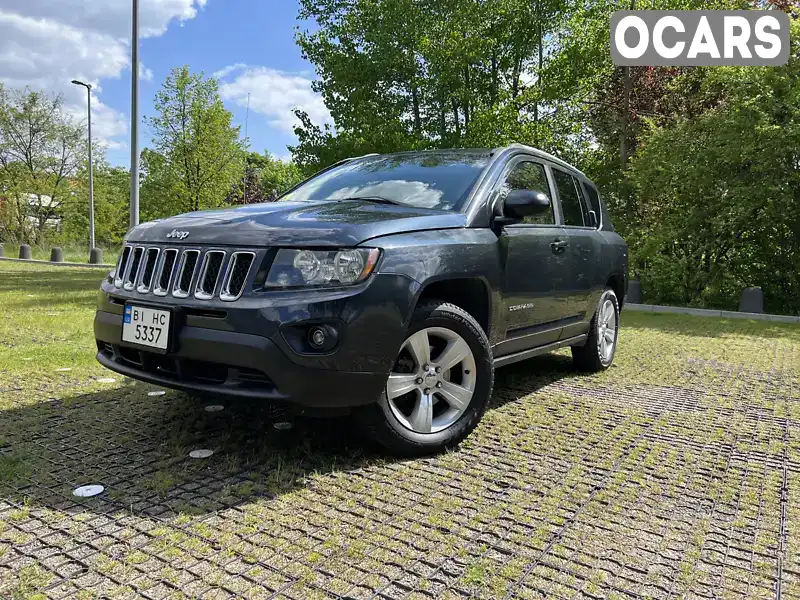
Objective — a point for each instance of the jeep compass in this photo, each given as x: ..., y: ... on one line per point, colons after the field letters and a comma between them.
x: 388, y: 285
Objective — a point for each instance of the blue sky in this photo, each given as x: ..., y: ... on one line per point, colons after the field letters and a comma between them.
x: 249, y: 44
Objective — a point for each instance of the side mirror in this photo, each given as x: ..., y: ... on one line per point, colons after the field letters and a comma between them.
x: 525, y: 203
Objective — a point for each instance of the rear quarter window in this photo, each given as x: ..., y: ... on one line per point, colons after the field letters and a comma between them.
x: 593, y: 199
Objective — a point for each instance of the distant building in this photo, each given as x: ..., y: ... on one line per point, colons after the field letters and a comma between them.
x: 35, y: 204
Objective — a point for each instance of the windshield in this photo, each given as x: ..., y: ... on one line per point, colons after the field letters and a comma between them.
x: 439, y: 180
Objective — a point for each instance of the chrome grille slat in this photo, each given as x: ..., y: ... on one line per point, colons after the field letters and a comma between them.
x: 209, y: 274
x: 166, y: 266
x: 203, y: 273
x: 122, y: 266
x: 148, y: 270
x: 185, y: 276
x: 132, y: 272
x: 236, y: 276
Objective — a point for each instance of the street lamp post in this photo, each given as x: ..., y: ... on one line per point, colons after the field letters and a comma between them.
x: 88, y: 87
x: 134, y: 221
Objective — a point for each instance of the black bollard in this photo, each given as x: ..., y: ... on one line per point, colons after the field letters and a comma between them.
x: 56, y: 254
x: 2, y: 251
x: 751, y: 300
x: 25, y: 252
x: 634, y: 291
x: 95, y: 256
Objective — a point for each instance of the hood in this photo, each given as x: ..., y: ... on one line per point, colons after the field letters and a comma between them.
x: 324, y: 223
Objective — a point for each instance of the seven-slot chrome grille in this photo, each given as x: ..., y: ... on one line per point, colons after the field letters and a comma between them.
x: 196, y: 272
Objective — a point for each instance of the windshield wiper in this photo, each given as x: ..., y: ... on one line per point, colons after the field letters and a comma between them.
x: 375, y: 199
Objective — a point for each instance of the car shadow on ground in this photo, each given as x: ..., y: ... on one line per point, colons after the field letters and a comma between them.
x: 137, y: 446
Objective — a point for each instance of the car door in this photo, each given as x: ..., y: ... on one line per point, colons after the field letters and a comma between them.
x: 531, y: 262
x: 578, y: 281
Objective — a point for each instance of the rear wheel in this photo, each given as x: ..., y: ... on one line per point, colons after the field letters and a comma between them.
x: 598, y: 353
x: 439, y: 386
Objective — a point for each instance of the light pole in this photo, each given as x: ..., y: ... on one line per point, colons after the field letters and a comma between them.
x: 88, y: 87
x: 135, y: 116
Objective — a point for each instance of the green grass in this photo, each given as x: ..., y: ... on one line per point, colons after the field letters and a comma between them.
x: 46, y: 325
x: 679, y: 445
x: 72, y: 252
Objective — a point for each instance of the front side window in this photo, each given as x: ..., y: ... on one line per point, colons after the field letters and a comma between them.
x: 439, y: 180
x: 571, y: 205
x: 529, y: 176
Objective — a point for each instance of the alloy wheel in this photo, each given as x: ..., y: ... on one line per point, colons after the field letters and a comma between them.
x: 606, y: 331
x: 433, y: 380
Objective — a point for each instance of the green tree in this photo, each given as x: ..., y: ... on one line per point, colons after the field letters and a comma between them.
x: 276, y: 176
x: 203, y: 156
x: 404, y: 74
x: 41, y: 152
x: 265, y: 178
x: 719, y: 189
x: 111, y: 206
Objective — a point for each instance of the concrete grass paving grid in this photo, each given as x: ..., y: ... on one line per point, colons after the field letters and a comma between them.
x: 568, y: 489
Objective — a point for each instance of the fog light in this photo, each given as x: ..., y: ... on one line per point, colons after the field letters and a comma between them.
x: 316, y: 337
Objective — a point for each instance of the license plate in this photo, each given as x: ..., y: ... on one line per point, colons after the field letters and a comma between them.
x: 146, y: 326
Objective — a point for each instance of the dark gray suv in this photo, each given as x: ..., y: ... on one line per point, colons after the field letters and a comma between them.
x: 389, y: 285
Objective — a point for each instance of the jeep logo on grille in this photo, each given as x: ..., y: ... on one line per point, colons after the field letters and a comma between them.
x: 181, y: 235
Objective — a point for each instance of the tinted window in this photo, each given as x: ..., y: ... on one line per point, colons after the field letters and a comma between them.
x: 592, y: 199
x: 584, y: 204
x: 529, y: 176
x: 570, y: 201
x: 440, y: 180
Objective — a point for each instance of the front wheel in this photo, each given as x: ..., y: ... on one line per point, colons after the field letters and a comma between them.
x: 439, y: 386
x: 598, y: 353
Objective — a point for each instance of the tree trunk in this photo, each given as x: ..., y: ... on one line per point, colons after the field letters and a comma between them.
x: 515, y: 76
x: 457, y: 119
x: 626, y: 107
x: 493, y: 91
x: 540, y: 47
x: 624, y: 118
x: 415, y: 102
x: 468, y: 91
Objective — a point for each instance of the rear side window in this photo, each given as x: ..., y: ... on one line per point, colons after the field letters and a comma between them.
x: 571, y: 205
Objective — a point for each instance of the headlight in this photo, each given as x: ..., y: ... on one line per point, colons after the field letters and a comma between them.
x: 293, y: 268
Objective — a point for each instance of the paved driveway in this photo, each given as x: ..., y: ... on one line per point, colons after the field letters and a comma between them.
x: 674, y: 474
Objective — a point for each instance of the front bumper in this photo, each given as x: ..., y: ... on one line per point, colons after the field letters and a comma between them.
x: 247, y: 354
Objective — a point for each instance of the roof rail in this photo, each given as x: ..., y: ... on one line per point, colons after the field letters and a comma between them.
x: 349, y: 158
x: 541, y: 154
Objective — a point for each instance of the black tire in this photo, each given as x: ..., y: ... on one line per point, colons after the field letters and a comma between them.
x: 385, y: 429
x: 588, y: 358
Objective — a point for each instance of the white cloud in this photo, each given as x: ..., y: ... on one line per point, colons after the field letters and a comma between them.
x: 145, y: 74
x: 113, y: 17
x: 274, y: 94
x: 44, y: 44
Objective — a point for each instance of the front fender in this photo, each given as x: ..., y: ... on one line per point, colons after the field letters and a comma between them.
x: 432, y: 256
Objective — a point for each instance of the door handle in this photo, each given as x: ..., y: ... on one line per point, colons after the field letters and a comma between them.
x: 559, y: 246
